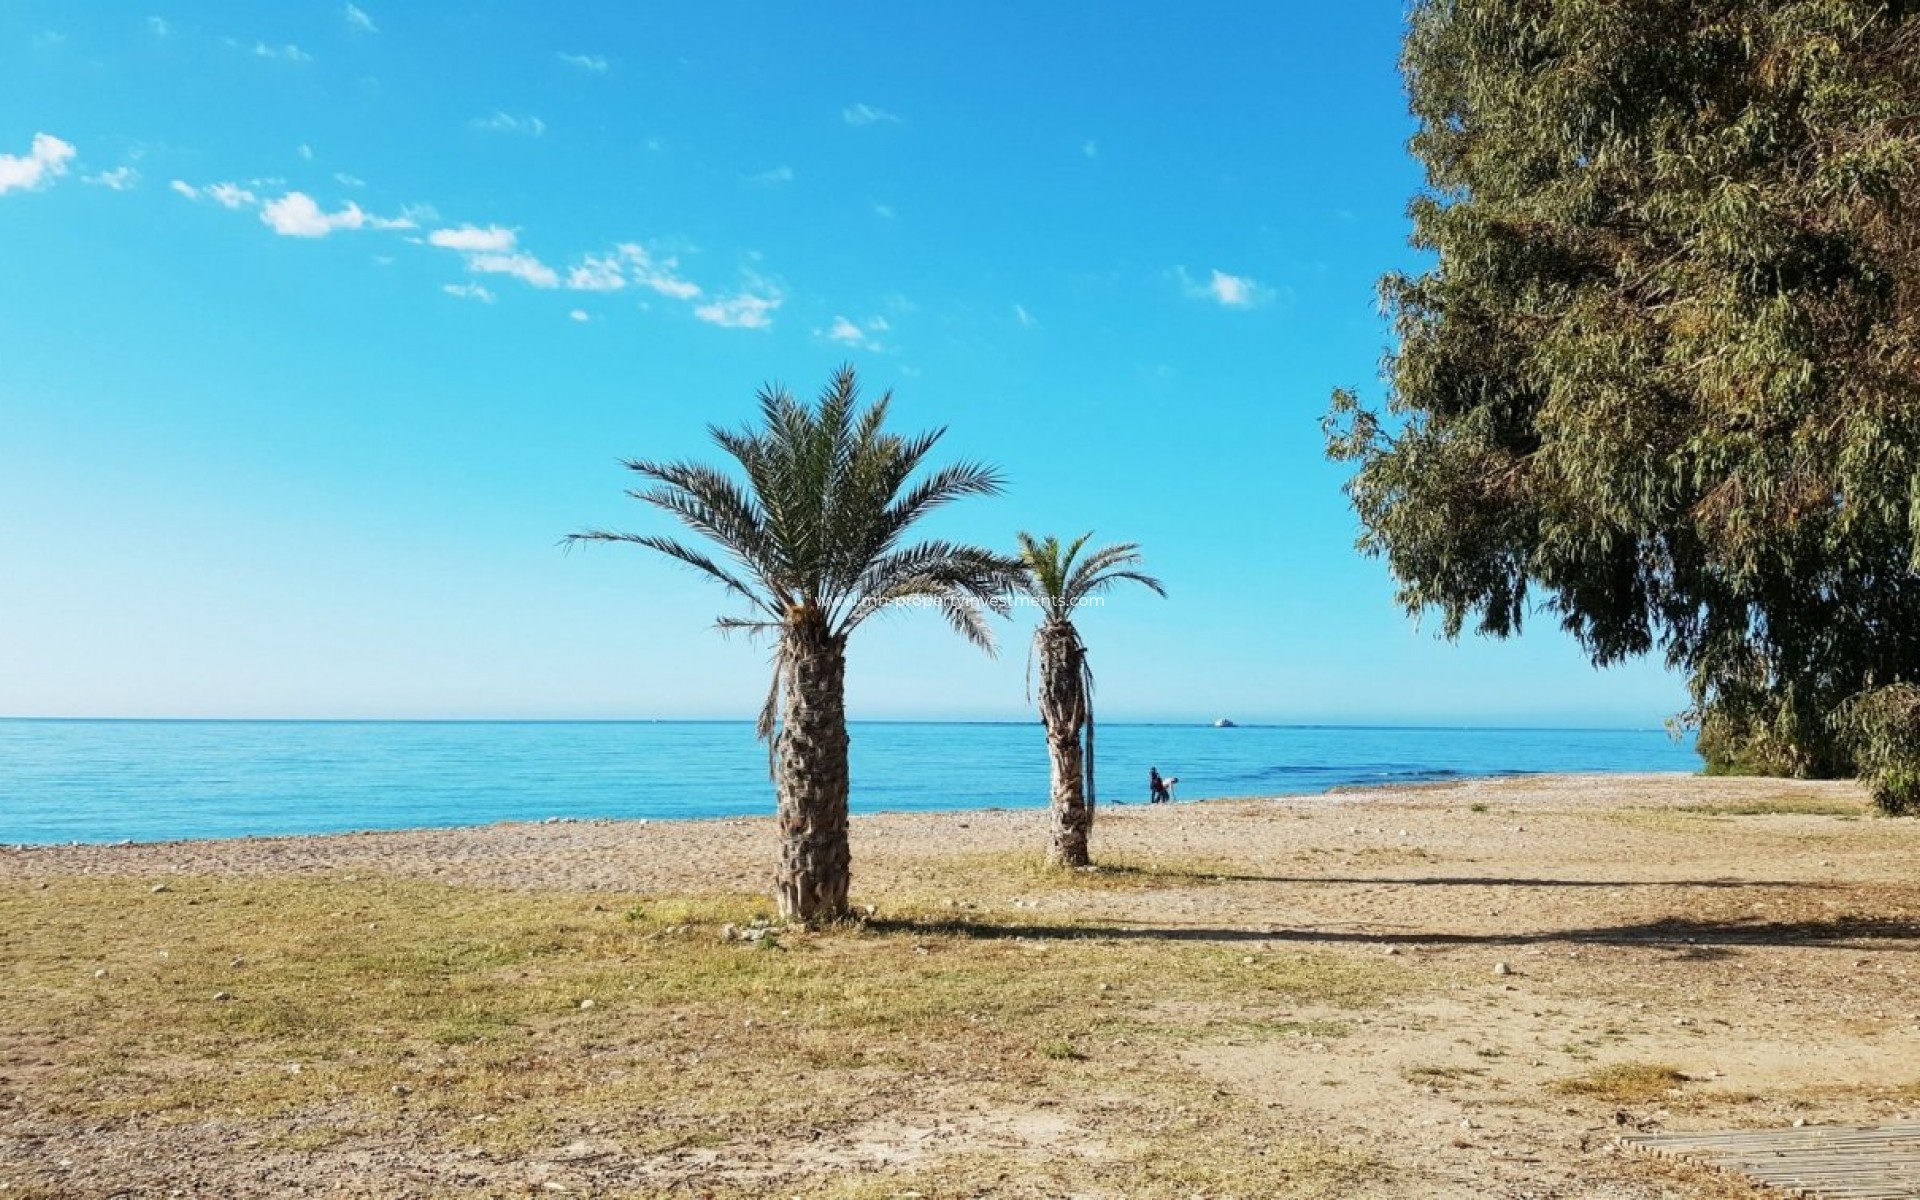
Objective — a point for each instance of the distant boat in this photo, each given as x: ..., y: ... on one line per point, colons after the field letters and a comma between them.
x: 1223, y: 723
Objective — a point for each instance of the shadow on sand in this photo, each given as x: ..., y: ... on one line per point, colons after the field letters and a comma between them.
x: 1700, y: 938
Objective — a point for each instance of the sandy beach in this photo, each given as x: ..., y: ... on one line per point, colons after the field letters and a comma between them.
x: 1751, y: 941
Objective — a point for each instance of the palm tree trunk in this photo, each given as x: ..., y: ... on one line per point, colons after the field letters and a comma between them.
x: 1064, y: 712
x: 816, y: 860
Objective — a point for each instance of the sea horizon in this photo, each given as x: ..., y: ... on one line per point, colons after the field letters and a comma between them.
x: 1496, y: 727
x: 167, y: 779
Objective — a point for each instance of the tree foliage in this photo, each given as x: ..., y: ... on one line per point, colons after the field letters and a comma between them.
x: 811, y: 525
x: 1662, y: 380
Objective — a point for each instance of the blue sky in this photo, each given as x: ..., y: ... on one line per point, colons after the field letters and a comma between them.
x: 321, y: 324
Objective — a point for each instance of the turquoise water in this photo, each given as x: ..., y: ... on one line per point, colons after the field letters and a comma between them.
x: 99, y: 781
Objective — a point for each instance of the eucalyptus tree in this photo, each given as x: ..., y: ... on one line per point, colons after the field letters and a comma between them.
x: 1058, y: 581
x: 1659, y: 378
x: 810, y: 532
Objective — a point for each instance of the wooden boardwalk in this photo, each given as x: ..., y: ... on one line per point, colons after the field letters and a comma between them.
x: 1830, y: 1162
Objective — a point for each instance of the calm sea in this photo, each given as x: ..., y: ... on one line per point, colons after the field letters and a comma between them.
x: 97, y: 781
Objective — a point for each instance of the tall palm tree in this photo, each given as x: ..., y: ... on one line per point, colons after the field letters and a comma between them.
x: 1057, y: 580
x: 813, y: 538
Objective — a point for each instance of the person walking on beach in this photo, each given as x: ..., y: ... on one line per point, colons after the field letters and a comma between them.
x: 1157, y: 792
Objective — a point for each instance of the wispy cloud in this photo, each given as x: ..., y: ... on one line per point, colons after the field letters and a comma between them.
x: 586, y: 62
x: 520, y: 265
x: 232, y: 195
x: 502, y: 122
x: 285, y: 53
x: 120, y: 179
x: 851, y: 333
x: 358, y: 20
x: 1025, y: 318
x: 657, y: 274
x: 297, y: 214
x: 46, y: 160
x: 50, y: 39
x: 774, y: 178
x: 1090, y: 149
x: 346, y: 180
x: 883, y: 211
x: 495, y: 250
x: 597, y: 275
x: 474, y: 239
x: 745, y: 310
x: 158, y: 26
x: 1228, y: 291
x: 866, y: 114
x: 631, y: 265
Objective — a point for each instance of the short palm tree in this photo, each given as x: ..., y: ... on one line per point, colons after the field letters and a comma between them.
x: 814, y: 538
x: 1057, y: 580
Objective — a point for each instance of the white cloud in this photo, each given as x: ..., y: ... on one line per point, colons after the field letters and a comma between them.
x: 773, y: 178
x: 296, y: 214
x: 468, y: 291
x: 473, y: 239
x: 501, y: 122
x: 597, y: 275
x: 867, y: 114
x: 185, y: 189
x: 120, y: 179
x: 1234, y: 291
x: 346, y: 180
x: 659, y: 275
x: 884, y: 211
x: 1228, y: 291
x: 159, y: 26
x: 45, y: 161
x: 359, y: 21
x: 522, y: 266
x: 286, y: 53
x: 849, y: 333
x: 306, y: 151
x: 580, y: 314
x: 232, y: 195
x: 586, y: 62
x: 747, y: 310
x: 1024, y: 317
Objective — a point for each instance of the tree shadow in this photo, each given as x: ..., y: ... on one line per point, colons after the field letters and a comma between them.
x: 1185, y: 875
x: 1695, y: 938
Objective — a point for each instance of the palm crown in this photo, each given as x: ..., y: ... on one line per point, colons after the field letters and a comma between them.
x: 814, y: 533
x: 1057, y: 580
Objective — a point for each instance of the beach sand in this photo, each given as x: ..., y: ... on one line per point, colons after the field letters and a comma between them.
x: 1756, y: 937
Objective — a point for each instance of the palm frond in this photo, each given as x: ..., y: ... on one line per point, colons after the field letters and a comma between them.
x: 684, y: 554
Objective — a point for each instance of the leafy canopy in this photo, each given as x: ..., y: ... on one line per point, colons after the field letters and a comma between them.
x: 1662, y: 379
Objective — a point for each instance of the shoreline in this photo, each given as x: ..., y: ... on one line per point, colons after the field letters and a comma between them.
x: 1338, y: 793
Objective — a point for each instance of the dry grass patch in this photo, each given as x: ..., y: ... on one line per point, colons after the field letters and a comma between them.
x: 1624, y: 1083
x: 999, y: 875
x: 322, y: 1017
